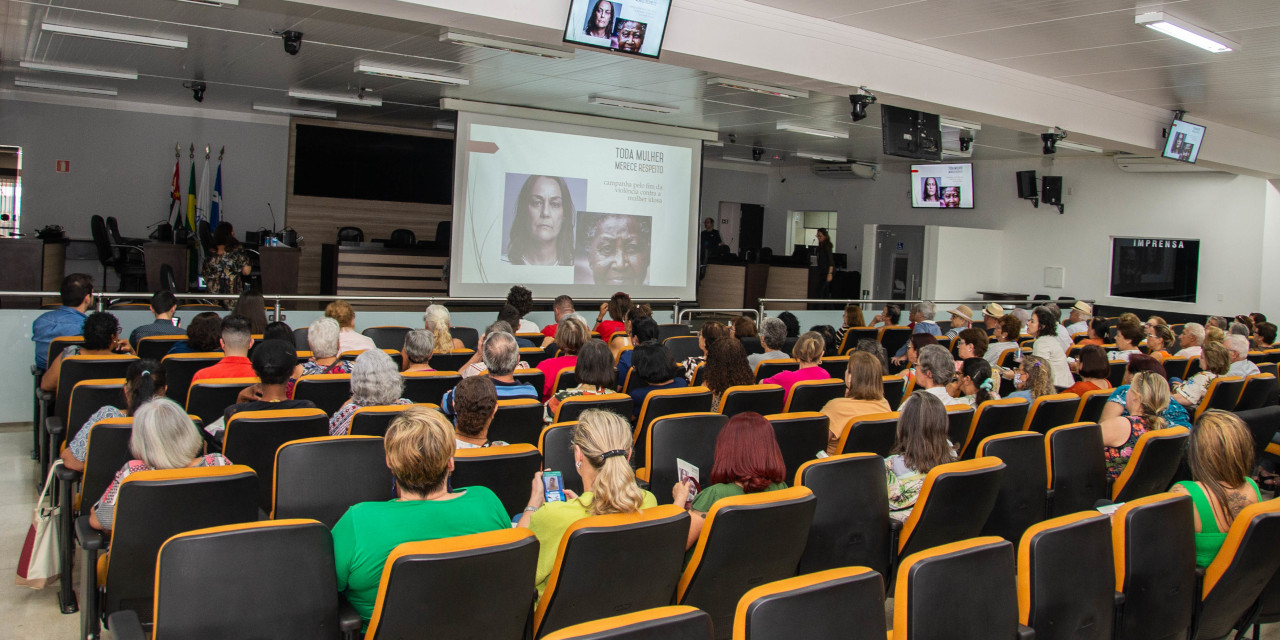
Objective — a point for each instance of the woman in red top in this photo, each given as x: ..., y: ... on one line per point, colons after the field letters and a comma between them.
x: 1097, y: 334
x: 571, y: 334
x: 617, y: 307
x: 1094, y: 371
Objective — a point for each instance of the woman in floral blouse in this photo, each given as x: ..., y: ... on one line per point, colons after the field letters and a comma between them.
x: 1146, y: 399
x: 922, y: 445
x: 227, y: 263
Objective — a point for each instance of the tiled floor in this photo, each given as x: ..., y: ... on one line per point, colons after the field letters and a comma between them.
x: 34, y: 615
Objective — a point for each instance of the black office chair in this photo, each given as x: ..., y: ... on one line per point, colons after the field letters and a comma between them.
x: 444, y: 235
x: 113, y: 229
x: 132, y: 274
x: 350, y: 234
x: 402, y: 239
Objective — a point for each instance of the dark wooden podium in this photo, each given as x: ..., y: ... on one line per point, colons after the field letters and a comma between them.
x: 279, y: 269
x: 157, y: 254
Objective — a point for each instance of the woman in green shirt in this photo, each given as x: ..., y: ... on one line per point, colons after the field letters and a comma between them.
x: 601, y: 451
x: 1220, y: 456
x: 747, y: 460
x: 420, y: 445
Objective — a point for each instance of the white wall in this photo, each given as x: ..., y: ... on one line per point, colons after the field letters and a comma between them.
x: 122, y: 165
x: 960, y: 262
x: 1230, y: 214
x: 721, y: 185
x: 1269, y: 302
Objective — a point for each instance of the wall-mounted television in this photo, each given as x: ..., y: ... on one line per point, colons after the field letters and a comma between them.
x: 945, y: 186
x: 1183, y: 143
x: 625, y: 26
x: 335, y: 162
x: 907, y: 133
x: 1155, y: 268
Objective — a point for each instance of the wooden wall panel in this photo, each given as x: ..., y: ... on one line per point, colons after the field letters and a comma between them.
x: 317, y: 220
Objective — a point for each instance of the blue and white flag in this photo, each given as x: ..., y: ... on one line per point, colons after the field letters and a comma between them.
x: 215, y: 207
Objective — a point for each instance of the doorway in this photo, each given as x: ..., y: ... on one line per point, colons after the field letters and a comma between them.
x: 899, y: 262
x: 10, y: 191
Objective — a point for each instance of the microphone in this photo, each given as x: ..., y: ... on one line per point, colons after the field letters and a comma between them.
x: 273, y: 220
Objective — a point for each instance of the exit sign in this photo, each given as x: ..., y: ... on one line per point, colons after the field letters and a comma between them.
x: 64, y: 166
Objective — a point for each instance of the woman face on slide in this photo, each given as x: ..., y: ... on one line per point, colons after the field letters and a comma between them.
x: 546, y: 210
x: 617, y: 254
x: 603, y: 15
x: 930, y: 189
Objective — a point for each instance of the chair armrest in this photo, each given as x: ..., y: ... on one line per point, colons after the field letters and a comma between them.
x: 44, y: 396
x: 124, y: 625
x: 349, y: 620
x: 89, y: 538
x: 67, y: 475
x: 1119, y: 599
x: 1026, y: 633
x: 54, y: 425
x: 895, y: 529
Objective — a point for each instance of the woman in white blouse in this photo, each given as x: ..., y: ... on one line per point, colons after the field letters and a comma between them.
x: 1043, y: 327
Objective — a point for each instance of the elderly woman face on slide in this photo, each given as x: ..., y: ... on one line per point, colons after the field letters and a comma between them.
x: 618, y: 250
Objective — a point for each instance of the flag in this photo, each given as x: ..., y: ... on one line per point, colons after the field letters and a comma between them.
x: 202, y: 193
x: 175, y: 193
x: 215, y: 207
x: 191, y: 197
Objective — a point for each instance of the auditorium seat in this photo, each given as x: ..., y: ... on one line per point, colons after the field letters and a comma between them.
x: 320, y: 478
x: 992, y: 417
x: 517, y: 421
x: 847, y: 602
x: 872, y: 433
x: 857, y: 334
x: 253, y: 437
x: 661, y: 623
x: 851, y: 521
x: 763, y: 399
x: 1223, y: 393
x: 209, y: 398
x: 768, y: 368
x: 682, y: 347
x: 74, y: 370
x: 1091, y: 405
x: 86, y: 398
x: 374, y: 420
x: 801, y: 436
x: 959, y: 418
x: 1235, y: 579
x: 813, y: 395
x: 556, y: 446
x: 1077, y: 470
x: 953, y: 504
x: 1066, y: 578
x: 572, y: 407
x: 1259, y: 391
x: 428, y: 585
x: 730, y: 556
x: 895, y: 389
x: 666, y: 402
x: 565, y: 379
x: 469, y: 336
x: 1155, y: 460
x: 1176, y: 367
x: 835, y: 366
x: 1154, y: 550
x: 892, y: 338
x: 427, y: 386
x: 1053, y: 410
x: 1023, y: 497
x: 328, y: 391
x: 611, y: 563
x: 688, y: 436
x: 157, y: 347
x: 452, y: 361
x: 964, y: 590
x: 506, y: 471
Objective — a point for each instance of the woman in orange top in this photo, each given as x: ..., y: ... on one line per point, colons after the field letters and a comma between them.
x: 1158, y: 341
x: 1094, y: 370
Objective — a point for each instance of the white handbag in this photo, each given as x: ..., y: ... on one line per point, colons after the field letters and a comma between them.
x: 38, y: 562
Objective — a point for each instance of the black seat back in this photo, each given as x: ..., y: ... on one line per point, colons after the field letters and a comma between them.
x: 387, y: 337
x: 992, y: 417
x: 1260, y: 390
x: 688, y: 436
x: 157, y: 347
x: 763, y: 399
x: 518, y: 421
x: 1052, y: 411
x: 1239, y: 574
x: 179, y: 368
x: 572, y: 407
x: 953, y: 504
x: 851, y: 522
x: 841, y: 603
x: 1077, y: 474
x: 801, y: 436
x: 320, y: 478
x: 769, y: 368
x: 207, y: 399
x: 895, y: 388
x: 962, y: 591
x: 504, y: 470
x: 813, y: 395
x: 682, y: 347
x: 1155, y: 460
x: 328, y: 391
x: 873, y: 433
x: 87, y: 397
x: 252, y: 438
x: 451, y: 361
x: 428, y: 387
x: 666, y: 402
x: 1023, y: 498
x: 350, y: 234
x: 108, y: 451
x: 1066, y: 564
x: 469, y: 336
x: 556, y: 445
x: 1153, y: 541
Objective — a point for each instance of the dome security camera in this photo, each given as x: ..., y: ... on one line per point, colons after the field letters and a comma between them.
x: 292, y: 42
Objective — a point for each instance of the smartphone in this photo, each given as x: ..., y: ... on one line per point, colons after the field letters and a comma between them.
x: 552, y: 486
x: 177, y: 322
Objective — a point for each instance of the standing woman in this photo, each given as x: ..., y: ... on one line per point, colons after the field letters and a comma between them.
x: 542, y: 229
x: 1044, y: 328
x: 227, y: 265
x: 826, y: 267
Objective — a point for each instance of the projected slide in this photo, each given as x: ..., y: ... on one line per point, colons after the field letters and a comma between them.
x: 571, y: 209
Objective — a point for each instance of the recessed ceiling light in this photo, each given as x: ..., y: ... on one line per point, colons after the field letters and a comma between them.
x: 296, y: 111
x: 627, y: 104
x: 821, y: 156
x: 756, y: 87
x: 37, y: 84
x: 501, y: 44
x: 796, y: 128
x: 746, y: 160
x: 408, y: 74
x: 79, y: 70
x: 1185, y: 31
x: 179, y: 42
x: 343, y: 98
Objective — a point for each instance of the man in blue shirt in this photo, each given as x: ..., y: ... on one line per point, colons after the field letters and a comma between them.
x: 922, y: 322
x: 67, y: 320
x: 500, y: 355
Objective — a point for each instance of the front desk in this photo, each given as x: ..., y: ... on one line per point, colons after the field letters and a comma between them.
x: 376, y: 271
x: 740, y: 286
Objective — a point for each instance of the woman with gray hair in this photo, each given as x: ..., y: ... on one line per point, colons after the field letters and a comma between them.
x: 375, y: 381
x: 163, y: 438
x: 419, y: 345
x: 322, y: 337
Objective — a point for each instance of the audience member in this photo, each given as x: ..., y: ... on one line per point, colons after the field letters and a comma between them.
x: 726, y: 367
x: 961, y: 319
x: 1175, y: 414
x: 710, y: 332
x: 921, y: 322
x: 143, y: 380
x: 570, y: 337
x: 1095, y: 371
x: 601, y: 452
x: 917, y: 342
x: 617, y: 307
x: 1078, y: 318
x: 1097, y: 333
x: 348, y: 338
x: 971, y: 343
x: 808, y: 354
x: 511, y: 316
x: 1146, y: 399
x: 991, y: 315
x: 1055, y: 312
x: 876, y: 349
x: 1191, y: 340
x: 163, y: 306
x: 863, y: 395
x: 1214, y: 361
x: 101, y: 338
x: 1033, y: 379
x: 273, y: 362
x: 203, y: 334
x: 163, y: 437
x: 501, y: 355
x: 743, y: 327
x: 921, y: 445
x: 323, y: 338
x: 436, y: 320
x: 1214, y: 334
x: 621, y: 340
x: 476, y: 400
x: 653, y: 368
x: 475, y: 364
x: 642, y: 330
x: 888, y: 317
x: 236, y: 341
x: 773, y: 337
x: 419, y: 346
x: 830, y: 343
x: 1241, y: 328
x: 1221, y: 457
x: 852, y: 318
x: 1238, y: 354
x: 251, y: 305
x: 1128, y: 336
x: 747, y: 460
x: 278, y: 330
x: 974, y: 383
x: 791, y: 322
x: 375, y: 382
x: 522, y: 299
x: 1266, y: 338
x: 67, y: 320
x: 561, y: 307
x: 1159, y: 341
x: 1215, y: 321
x: 594, y: 372
x: 935, y: 370
x: 1043, y: 327
x: 420, y: 446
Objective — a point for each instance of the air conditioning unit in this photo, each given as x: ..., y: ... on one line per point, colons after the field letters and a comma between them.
x: 860, y: 170
x: 1154, y: 164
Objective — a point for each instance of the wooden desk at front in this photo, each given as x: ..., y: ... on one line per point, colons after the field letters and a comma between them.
x: 375, y: 271
x: 740, y: 286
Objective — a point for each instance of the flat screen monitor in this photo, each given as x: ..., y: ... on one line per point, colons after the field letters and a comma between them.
x: 1184, y: 141
x: 907, y: 133
x: 1155, y: 268
x: 625, y: 26
x: 945, y: 186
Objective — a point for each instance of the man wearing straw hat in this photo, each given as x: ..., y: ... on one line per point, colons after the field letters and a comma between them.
x: 991, y: 315
x: 1078, y: 319
x: 961, y: 319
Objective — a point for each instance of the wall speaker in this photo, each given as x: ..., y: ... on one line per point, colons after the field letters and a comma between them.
x: 1027, y: 184
x: 1051, y: 189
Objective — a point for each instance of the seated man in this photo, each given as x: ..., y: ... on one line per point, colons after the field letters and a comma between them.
x: 1238, y: 351
x: 1191, y: 340
x: 236, y: 341
x: 921, y: 322
x: 67, y: 320
x: 562, y: 307
x: 477, y: 403
x: 273, y: 363
x: 163, y: 306
x: 500, y: 358
x: 475, y: 365
x: 1078, y: 319
x: 773, y: 336
x: 511, y: 316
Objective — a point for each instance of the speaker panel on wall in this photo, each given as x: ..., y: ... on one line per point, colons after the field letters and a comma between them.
x: 1027, y: 185
x: 1051, y: 189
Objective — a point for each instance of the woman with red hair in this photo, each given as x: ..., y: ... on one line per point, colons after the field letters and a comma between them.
x: 747, y: 460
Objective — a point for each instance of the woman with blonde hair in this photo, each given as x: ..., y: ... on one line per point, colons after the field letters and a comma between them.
x: 864, y: 394
x: 1033, y: 379
x: 436, y: 320
x: 1215, y: 361
x: 601, y: 453
x: 808, y: 353
x: 375, y: 381
x: 1220, y: 456
x: 1146, y: 400
x: 419, y: 446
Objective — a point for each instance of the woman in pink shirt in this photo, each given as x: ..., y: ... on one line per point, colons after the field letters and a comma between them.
x: 571, y: 334
x: 808, y: 352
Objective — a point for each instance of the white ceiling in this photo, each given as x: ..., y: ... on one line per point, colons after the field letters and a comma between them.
x: 1089, y: 42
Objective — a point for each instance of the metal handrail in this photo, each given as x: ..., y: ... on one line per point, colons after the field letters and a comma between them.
x: 680, y: 316
x: 904, y: 303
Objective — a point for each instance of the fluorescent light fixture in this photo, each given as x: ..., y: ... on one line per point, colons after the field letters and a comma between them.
x: 500, y: 44
x: 626, y: 104
x: 445, y: 125
x: 296, y: 111
x: 959, y: 124
x: 103, y: 34
x: 79, y: 70
x: 713, y: 143
x: 1185, y: 31
x: 821, y: 156
x: 796, y: 128
x: 755, y: 87
x: 1076, y: 146
x: 746, y: 160
x: 341, y: 98
x: 214, y: 3
x: 36, y: 84
x: 374, y: 69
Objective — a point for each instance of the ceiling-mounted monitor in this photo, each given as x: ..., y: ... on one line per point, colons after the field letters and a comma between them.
x: 946, y: 186
x: 910, y: 134
x: 625, y: 26
x: 1183, y: 143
